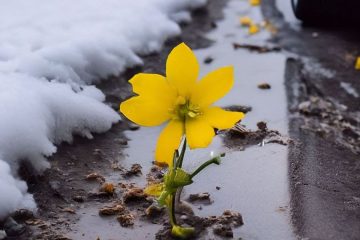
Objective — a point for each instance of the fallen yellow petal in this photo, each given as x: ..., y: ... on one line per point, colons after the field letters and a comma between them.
x: 154, y: 189
x: 357, y: 64
x: 245, y: 21
x: 253, y: 29
x: 254, y: 2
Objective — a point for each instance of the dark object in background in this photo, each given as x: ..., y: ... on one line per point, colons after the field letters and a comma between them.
x: 327, y: 12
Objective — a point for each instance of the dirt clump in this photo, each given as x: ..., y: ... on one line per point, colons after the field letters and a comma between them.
x: 200, y: 197
x: 240, y: 137
x: 256, y: 48
x: 135, y: 170
x: 221, y: 225
x: 126, y: 219
x: 133, y: 193
x: 95, y: 176
x: 264, y: 86
x: 108, y: 188
x: 112, y: 210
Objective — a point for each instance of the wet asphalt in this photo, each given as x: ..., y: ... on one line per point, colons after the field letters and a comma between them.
x: 324, y: 174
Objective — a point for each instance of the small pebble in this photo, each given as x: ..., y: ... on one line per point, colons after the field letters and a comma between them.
x: 78, y: 198
x: 121, y: 141
x: 109, y: 211
x: 264, y: 86
x: 126, y: 220
x: 223, y: 231
x: 208, y: 60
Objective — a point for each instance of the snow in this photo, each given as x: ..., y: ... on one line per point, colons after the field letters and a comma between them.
x: 51, y: 55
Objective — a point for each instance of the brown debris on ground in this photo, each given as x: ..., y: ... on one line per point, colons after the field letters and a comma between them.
x: 256, y: 48
x: 126, y: 219
x: 69, y: 210
x: 108, y: 188
x: 135, y: 170
x: 327, y: 118
x: 112, y: 210
x: 239, y: 108
x: 95, y: 176
x: 221, y: 225
x: 264, y: 86
x: 241, y: 137
x: 132, y: 193
x: 200, y: 197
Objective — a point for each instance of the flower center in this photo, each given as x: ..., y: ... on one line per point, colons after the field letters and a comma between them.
x: 184, y: 108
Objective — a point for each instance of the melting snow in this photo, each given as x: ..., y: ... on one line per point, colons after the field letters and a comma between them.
x: 50, y: 54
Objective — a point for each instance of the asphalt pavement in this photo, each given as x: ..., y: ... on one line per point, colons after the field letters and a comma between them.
x: 323, y: 100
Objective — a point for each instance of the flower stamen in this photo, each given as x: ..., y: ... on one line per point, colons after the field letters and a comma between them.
x: 185, y: 109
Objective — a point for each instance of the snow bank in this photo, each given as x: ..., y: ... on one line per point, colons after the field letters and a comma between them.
x: 50, y: 54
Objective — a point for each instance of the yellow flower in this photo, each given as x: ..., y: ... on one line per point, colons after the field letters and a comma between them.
x: 182, y: 101
x: 254, y: 2
x: 357, y: 63
x: 253, y: 29
x: 245, y: 21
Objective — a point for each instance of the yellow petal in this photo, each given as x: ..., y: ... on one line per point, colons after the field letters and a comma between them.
x: 146, y: 111
x: 254, y: 2
x: 154, y: 189
x: 245, y: 21
x: 169, y: 140
x: 152, y: 106
x: 357, y: 64
x: 213, y: 86
x: 153, y: 85
x: 199, y: 133
x: 221, y: 119
x: 182, y: 69
x: 253, y: 29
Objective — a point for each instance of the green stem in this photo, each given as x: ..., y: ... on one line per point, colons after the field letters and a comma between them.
x: 172, y: 210
x: 215, y: 160
x: 182, y: 154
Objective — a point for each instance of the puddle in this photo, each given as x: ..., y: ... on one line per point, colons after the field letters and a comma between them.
x: 91, y: 226
x: 253, y: 182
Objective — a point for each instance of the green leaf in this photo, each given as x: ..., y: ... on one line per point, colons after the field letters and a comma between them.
x: 181, y: 178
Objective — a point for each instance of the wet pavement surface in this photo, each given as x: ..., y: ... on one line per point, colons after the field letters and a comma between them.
x: 308, y: 188
x: 324, y: 165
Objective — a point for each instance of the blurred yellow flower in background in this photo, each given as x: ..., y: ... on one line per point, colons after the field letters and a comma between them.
x: 253, y: 28
x: 254, y: 2
x: 357, y: 63
x: 245, y: 21
x: 182, y: 101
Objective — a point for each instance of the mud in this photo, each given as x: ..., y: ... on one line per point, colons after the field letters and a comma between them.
x: 256, y: 48
x: 239, y: 137
x: 220, y: 225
